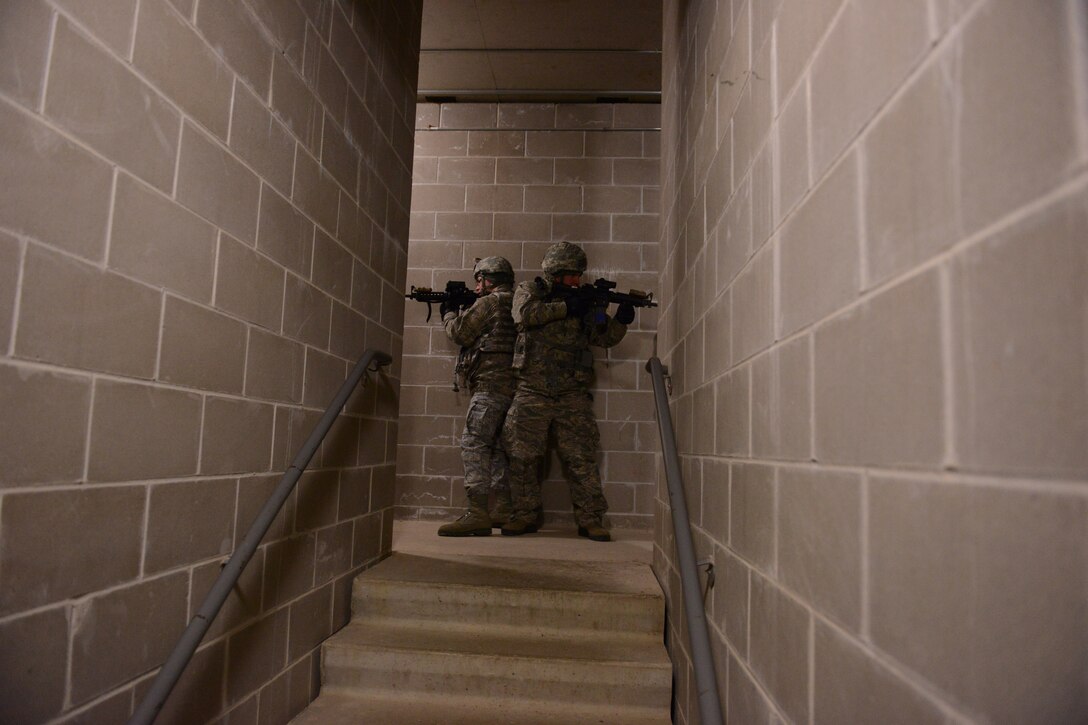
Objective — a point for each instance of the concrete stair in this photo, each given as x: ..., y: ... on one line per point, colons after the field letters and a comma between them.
x: 477, y: 639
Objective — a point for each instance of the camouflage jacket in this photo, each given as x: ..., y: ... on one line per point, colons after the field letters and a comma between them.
x: 552, y: 354
x: 485, y: 332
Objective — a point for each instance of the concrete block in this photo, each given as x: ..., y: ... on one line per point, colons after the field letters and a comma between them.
x: 103, y: 652
x: 188, y: 522
x: 284, y: 233
x: 237, y: 436
x: 240, y: 38
x: 34, y: 659
x: 202, y: 348
x: 869, y: 52
x: 779, y: 654
x: 1029, y: 151
x: 526, y: 115
x: 306, y: 313
x: 215, y: 185
x: 101, y: 102
x: 52, y: 188
x: 1020, y: 308
x: 819, y: 541
x: 471, y: 170
x: 753, y: 307
x: 296, y: 104
x: 25, y: 39
x: 910, y: 195
x: 849, y: 684
x: 524, y: 171
x: 61, y: 544
x: 819, y: 252
x: 249, y: 285
x: 316, y: 191
x: 76, y: 315
x: 969, y: 584
x: 161, y: 243
x: 752, y: 514
x: 274, y: 367
x: 782, y: 402
x: 178, y: 61
x: 879, y: 380
x: 469, y: 115
x: 496, y: 143
x: 45, y: 427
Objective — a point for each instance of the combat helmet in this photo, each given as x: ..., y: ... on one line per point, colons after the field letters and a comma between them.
x: 564, y: 257
x: 495, y: 269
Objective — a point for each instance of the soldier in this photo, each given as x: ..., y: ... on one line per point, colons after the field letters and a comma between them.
x: 554, y: 366
x: 485, y: 331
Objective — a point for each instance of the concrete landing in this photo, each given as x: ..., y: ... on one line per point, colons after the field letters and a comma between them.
x: 558, y: 542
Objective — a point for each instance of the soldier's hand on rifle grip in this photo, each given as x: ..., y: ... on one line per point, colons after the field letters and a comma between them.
x: 576, y: 307
x: 446, y: 307
x: 625, y: 315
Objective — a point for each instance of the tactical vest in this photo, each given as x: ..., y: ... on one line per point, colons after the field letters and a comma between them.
x: 554, y: 356
x: 485, y: 365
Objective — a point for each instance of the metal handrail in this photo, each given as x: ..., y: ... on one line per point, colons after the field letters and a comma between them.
x: 175, y: 664
x: 702, y: 661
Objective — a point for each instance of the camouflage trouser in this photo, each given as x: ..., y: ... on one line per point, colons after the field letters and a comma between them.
x: 481, y: 444
x: 577, y: 440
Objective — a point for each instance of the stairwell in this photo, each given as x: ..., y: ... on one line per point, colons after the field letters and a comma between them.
x: 537, y: 630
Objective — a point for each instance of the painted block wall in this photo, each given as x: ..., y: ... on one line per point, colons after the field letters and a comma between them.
x: 875, y: 254
x: 512, y: 179
x: 202, y: 209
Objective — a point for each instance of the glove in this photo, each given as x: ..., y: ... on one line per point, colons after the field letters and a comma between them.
x: 625, y: 315
x: 446, y: 307
x: 576, y: 307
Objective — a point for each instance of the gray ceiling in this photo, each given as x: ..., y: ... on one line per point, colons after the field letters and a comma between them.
x: 541, y: 50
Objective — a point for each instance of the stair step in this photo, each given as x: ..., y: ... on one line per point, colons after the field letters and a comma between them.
x: 338, y: 707
x: 509, y: 592
x: 578, y: 667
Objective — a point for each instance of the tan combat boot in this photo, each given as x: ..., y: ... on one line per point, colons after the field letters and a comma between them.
x: 519, y: 526
x: 595, y: 532
x: 474, y: 522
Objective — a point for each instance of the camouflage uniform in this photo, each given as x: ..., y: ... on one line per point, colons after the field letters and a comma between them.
x: 554, y: 367
x: 486, y: 334
x: 485, y: 331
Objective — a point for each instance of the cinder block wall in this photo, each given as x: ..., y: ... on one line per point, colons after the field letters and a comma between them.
x: 203, y: 208
x: 875, y: 255
x: 512, y: 179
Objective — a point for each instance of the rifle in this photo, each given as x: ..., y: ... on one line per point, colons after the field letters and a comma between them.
x: 601, y: 294
x: 457, y: 294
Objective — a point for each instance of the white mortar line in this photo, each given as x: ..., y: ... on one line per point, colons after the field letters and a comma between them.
x: 177, y: 162
x: 811, y: 669
x: 135, y: 24
x: 944, y: 277
x: 104, y: 265
x: 86, y: 475
x: 861, y: 218
x: 158, y: 345
x: 811, y: 397
x: 905, y: 676
x: 20, y: 273
x: 69, y: 616
x: 143, y: 532
x: 215, y: 267
x: 863, y: 532
x: 48, y: 63
x: 200, y: 440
